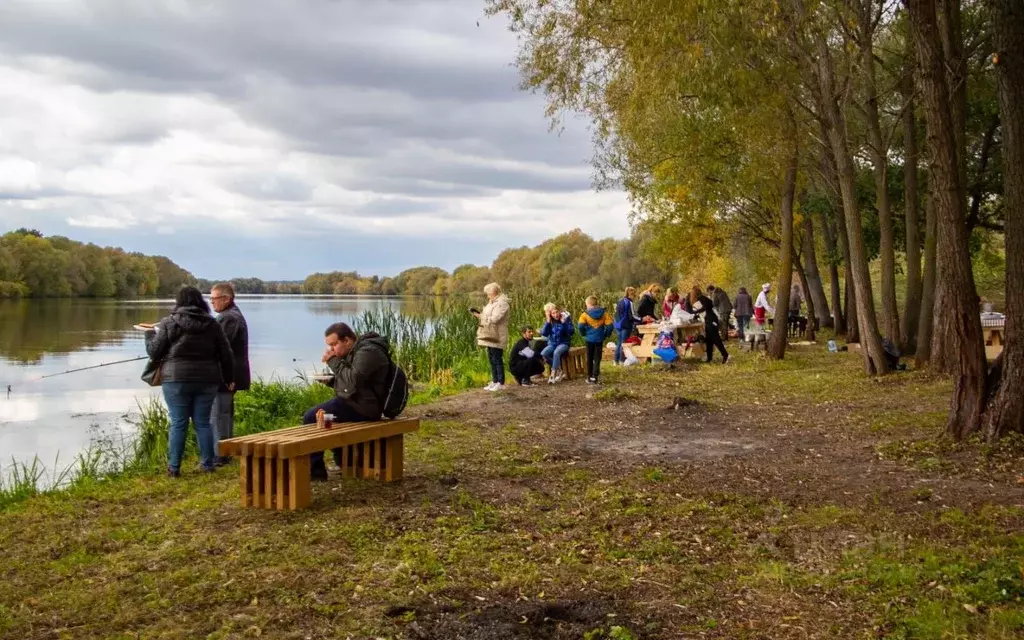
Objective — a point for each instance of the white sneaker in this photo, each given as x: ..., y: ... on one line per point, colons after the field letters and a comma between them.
x: 497, y: 386
x: 489, y: 387
x: 551, y: 379
x: 559, y: 376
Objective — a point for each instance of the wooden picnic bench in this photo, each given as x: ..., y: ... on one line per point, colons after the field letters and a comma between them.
x: 574, y: 363
x: 275, y: 467
x: 649, y: 335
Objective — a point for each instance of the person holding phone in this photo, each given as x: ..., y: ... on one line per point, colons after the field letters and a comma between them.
x: 492, y: 333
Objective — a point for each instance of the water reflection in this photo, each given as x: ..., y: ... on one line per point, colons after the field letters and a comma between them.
x: 30, y: 329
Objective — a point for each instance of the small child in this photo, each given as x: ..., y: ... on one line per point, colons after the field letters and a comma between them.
x: 595, y: 326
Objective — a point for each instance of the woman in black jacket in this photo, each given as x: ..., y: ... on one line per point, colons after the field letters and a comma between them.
x: 712, y: 337
x: 195, y: 359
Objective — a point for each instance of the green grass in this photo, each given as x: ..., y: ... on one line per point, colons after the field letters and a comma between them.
x: 495, y: 522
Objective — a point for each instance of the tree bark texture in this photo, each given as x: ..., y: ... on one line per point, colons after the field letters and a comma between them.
x: 926, y: 317
x: 835, y: 120
x: 1005, y: 411
x: 801, y: 272
x: 780, y: 332
x: 829, y: 232
x: 878, y: 151
x: 957, y: 308
x: 912, y: 308
x: 812, y: 275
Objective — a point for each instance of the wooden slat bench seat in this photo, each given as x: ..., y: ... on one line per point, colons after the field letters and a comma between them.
x: 574, y: 364
x: 275, y: 464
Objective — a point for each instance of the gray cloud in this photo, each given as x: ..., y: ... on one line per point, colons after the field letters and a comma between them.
x: 269, y: 116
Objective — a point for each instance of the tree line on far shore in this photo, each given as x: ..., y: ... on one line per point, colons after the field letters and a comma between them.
x: 570, y: 258
x: 35, y: 266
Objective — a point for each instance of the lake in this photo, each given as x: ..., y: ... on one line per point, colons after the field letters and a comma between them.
x: 60, y: 416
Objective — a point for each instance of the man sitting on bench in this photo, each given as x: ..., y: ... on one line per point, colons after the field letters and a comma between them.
x: 360, y: 367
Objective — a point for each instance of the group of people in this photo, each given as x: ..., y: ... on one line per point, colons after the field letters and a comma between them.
x: 204, y: 358
x: 714, y: 308
x: 204, y: 361
x: 526, y: 361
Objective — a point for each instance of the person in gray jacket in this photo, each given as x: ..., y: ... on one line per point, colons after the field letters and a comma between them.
x: 231, y: 320
x: 195, y: 360
x: 360, y: 367
x: 744, y: 311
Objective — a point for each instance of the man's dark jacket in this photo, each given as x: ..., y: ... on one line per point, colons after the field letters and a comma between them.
x: 521, y: 366
x: 361, y: 377
x: 236, y: 330
x: 191, y: 347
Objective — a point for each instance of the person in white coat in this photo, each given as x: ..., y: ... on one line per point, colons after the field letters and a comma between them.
x: 493, y: 333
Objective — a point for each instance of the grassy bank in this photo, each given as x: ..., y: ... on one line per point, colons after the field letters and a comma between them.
x: 796, y: 499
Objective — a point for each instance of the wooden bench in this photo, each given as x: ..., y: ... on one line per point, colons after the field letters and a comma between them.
x: 275, y: 465
x: 574, y: 364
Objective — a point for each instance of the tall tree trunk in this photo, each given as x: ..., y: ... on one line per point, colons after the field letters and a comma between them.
x: 912, y: 310
x: 813, y: 286
x: 951, y: 52
x: 956, y: 296
x: 1005, y: 412
x: 828, y: 170
x: 878, y: 151
x: 838, y: 321
x: 801, y: 272
x: 780, y: 333
x: 835, y: 120
x: 926, y: 318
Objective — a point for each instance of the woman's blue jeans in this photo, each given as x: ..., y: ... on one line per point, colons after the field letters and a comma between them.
x: 554, y: 355
x: 189, y: 400
x: 623, y: 335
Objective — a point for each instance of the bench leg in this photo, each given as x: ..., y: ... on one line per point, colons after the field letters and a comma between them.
x: 269, y: 484
x: 258, y: 473
x: 299, y: 490
x: 367, y: 460
x: 393, y: 470
x: 282, y: 480
x: 246, y: 480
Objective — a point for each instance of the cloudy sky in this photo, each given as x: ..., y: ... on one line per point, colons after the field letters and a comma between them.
x: 275, y: 138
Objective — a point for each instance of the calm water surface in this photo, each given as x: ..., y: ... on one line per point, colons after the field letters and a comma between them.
x: 59, y: 416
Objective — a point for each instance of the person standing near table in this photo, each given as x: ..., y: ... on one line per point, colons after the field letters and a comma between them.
x: 712, y: 337
x: 723, y: 308
x: 744, y: 309
x: 236, y: 330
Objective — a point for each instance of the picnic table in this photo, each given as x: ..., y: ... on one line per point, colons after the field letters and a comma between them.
x: 992, y: 329
x: 649, y: 335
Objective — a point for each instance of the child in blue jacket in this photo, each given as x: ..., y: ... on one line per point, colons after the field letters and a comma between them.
x: 558, y: 330
x: 595, y: 327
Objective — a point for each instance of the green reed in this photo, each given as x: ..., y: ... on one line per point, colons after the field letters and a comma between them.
x: 441, y: 350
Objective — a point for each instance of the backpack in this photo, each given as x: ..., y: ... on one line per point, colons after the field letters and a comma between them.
x: 398, y: 390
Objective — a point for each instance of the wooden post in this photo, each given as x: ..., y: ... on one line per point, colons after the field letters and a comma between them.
x: 378, y: 459
x: 283, y: 480
x: 298, y: 488
x: 394, y: 459
x: 246, y: 480
x: 367, y: 460
x: 269, y: 486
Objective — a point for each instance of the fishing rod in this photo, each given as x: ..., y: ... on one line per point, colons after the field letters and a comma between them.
x: 95, y: 366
